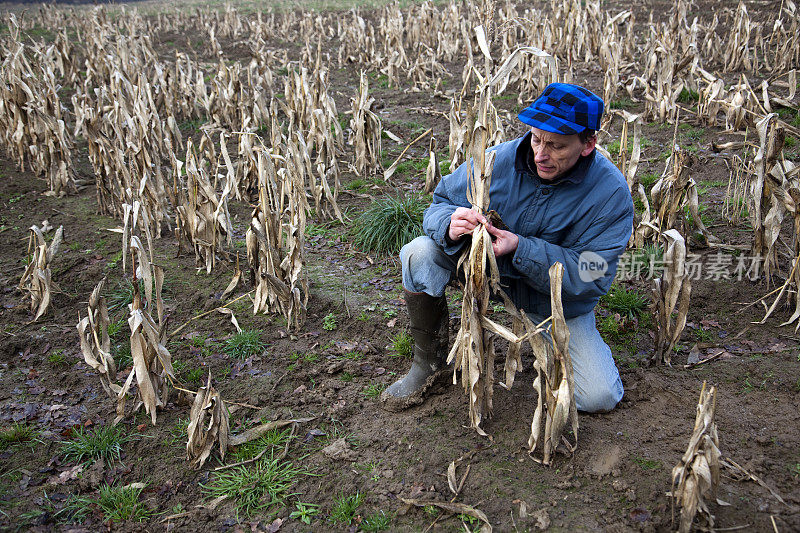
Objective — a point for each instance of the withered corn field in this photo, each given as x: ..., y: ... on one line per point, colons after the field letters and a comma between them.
x: 198, y: 311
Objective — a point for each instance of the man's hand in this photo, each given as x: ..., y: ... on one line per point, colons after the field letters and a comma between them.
x: 463, y: 221
x: 505, y: 242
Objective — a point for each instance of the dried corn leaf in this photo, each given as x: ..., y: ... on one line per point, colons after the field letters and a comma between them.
x: 670, y: 294
x: 455, y: 508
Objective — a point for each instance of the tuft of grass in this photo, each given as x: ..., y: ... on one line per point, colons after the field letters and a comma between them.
x: 273, y: 439
x: 373, y: 390
x: 88, y: 446
x: 18, y: 433
x: 122, y: 355
x: 647, y: 464
x: 57, y: 358
x: 245, y: 344
x: 622, y: 103
x: 256, y: 488
x: 626, y: 302
x: 402, y: 345
x: 688, y: 96
x: 122, y: 295
x: 378, y: 521
x: 122, y: 503
x: 346, y: 377
x: 345, y: 507
x: 389, y: 223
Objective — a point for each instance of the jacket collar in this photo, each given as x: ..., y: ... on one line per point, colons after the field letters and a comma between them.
x: 523, y: 162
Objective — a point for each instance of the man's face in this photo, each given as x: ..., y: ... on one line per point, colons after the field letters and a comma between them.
x: 555, y: 154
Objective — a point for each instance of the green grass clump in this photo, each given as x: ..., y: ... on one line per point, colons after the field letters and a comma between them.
x: 389, y: 223
x: 244, y: 344
x: 329, y: 322
x: 116, y: 504
x: 378, y: 521
x: 622, y: 103
x: 688, y: 96
x: 90, y: 445
x: 256, y: 488
x: 18, y: 433
x: 271, y: 440
x: 402, y: 345
x: 345, y: 507
x: 373, y: 390
x: 628, y: 303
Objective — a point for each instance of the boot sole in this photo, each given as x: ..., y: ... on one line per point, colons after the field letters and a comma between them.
x: 396, y: 404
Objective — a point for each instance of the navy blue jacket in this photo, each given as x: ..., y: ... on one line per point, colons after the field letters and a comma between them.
x: 588, y: 209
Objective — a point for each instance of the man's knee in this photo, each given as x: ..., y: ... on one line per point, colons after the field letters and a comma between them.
x: 600, y: 397
x: 418, y: 252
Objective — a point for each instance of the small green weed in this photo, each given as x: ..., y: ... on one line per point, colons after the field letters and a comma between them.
x: 122, y: 295
x: 122, y: 355
x: 345, y: 507
x: 402, y: 345
x: 347, y: 377
x: 329, y: 322
x: 621, y: 103
x: 245, y: 344
x: 626, y: 302
x: 703, y: 335
x: 57, y: 358
x: 89, y: 445
x: 647, y: 464
x: 389, y: 223
x: 373, y: 390
x: 305, y: 512
x: 256, y: 488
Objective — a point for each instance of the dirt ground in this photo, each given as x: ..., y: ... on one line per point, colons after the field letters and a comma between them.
x: 618, y: 478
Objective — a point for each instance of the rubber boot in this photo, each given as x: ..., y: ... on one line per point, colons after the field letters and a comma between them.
x: 429, y: 324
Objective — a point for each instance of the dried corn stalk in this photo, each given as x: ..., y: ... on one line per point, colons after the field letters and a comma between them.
x: 767, y: 209
x: 208, y: 425
x: 152, y: 362
x: 473, y: 352
x: 36, y: 279
x: 202, y: 215
x: 672, y: 193
x: 670, y: 294
x: 695, y: 479
x: 274, y: 244
x: 628, y: 164
x: 366, y: 131
x: 554, y: 381
x: 95, y: 342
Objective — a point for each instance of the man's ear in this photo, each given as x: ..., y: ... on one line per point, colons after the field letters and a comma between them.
x: 589, y: 146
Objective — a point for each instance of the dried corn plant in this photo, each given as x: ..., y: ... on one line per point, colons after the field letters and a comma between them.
x: 695, y: 479
x: 95, y: 342
x: 366, y: 129
x: 628, y: 163
x: 473, y: 351
x: 152, y: 362
x: 202, y: 214
x: 36, y: 279
x: 208, y: 425
x: 275, y: 238
x: 672, y: 194
x: 670, y: 294
x: 767, y: 205
x: 433, y: 174
x: 554, y: 383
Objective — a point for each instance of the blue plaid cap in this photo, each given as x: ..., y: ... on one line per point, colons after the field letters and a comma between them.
x: 565, y: 109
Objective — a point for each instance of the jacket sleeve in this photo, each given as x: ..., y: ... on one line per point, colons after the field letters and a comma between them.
x: 606, y: 236
x: 448, y: 195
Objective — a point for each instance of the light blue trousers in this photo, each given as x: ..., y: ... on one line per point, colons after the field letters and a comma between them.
x: 598, y: 387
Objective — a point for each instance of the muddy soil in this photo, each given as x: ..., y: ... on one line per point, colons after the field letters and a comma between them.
x: 617, y: 479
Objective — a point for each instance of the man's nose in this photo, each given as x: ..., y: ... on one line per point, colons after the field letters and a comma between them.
x: 541, y: 155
